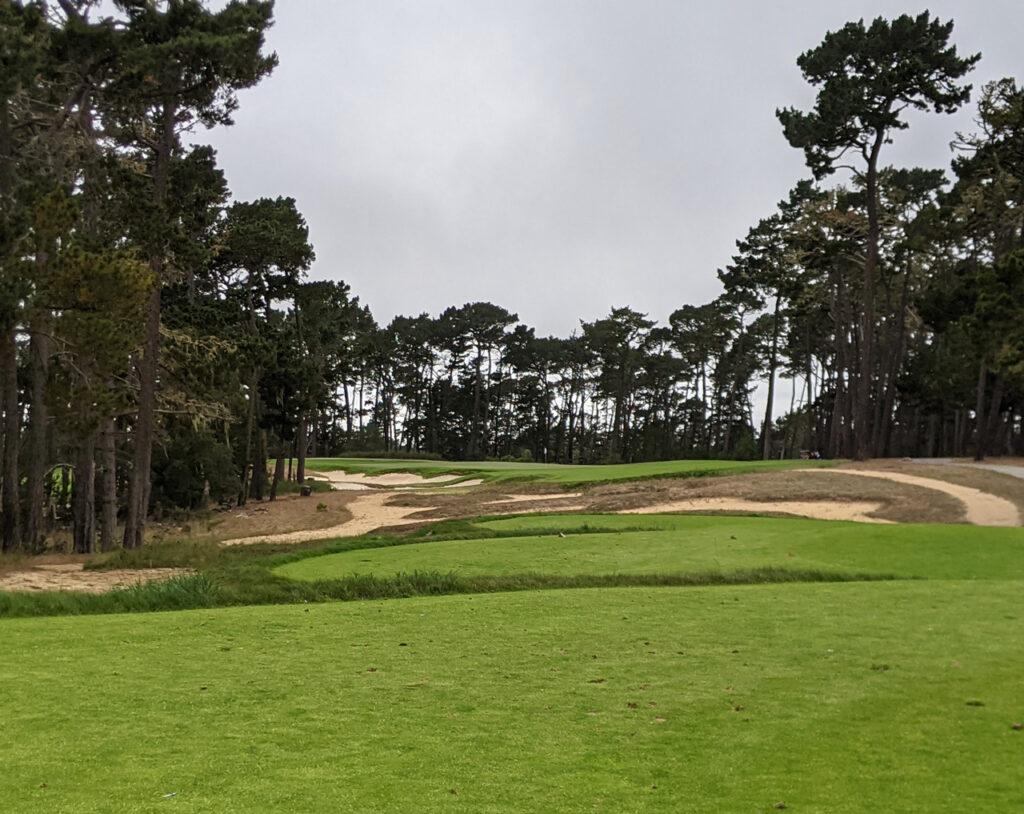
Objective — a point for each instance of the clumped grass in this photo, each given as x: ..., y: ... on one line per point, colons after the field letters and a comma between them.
x: 185, y: 592
x: 253, y: 585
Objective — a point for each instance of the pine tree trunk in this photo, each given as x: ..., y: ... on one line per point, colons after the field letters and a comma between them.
x: 83, y: 497
x: 278, y: 473
x: 979, y: 412
x: 766, y: 432
x: 10, y: 523
x: 145, y: 427
x: 107, y: 485
x: 35, y: 498
x: 302, y: 440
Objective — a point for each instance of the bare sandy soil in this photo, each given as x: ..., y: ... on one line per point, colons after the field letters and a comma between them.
x: 71, y: 577
x: 878, y: 492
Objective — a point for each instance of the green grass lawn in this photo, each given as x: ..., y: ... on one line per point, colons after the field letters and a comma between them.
x: 556, y: 473
x: 691, y: 543
x: 853, y: 697
x: 894, y: 696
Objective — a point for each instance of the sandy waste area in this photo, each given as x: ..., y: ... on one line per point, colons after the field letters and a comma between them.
x: 370, y: 510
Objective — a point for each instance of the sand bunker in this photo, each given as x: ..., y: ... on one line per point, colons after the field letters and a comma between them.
x: 819, y: 510
x: 982, y: 509
x: 530, y: 498
x: 339, y: 478
x: 71, y: 577
x: 368, y: 513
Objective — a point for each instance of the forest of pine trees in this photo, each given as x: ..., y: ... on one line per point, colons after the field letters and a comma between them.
x: 159, y: 343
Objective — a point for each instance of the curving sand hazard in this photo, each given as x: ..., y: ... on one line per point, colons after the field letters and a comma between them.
x: 982, y: 509
x: 339, y: 478
x: 368, y: 513
x: 819, y: 510
x: 530, y: 498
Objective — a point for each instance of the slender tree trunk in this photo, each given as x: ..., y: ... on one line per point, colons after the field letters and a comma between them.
x: 145, y: 427
x: 278, y: 473
x: 259, y: 466
x: 35, y: 499
x: 83, y: 497
x: 862, y: 398
x: 107, y: 485
x: 979, y: 412
x: 11, y: 520
x: 766, y: 433
x: 301, y: 440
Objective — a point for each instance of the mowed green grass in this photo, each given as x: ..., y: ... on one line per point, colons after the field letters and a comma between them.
x: 648, y: 544
x: 568, y: 475
x: 852, y: 697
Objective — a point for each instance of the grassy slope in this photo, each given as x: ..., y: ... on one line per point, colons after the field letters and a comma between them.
x: 681, y: 543
x: 839, y: 698
x: 556, y: 473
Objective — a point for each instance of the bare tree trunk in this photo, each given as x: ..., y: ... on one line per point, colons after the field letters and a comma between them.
x: 278, y: 472
x: 145, y: 426
x: 259, y: 466
x: 83, y: 497
x: 979, y: 412
x: 766, y: 432
x: 35, y: 497
x: 107, y: 484
x: 11, y: 521
x: 302, y: 440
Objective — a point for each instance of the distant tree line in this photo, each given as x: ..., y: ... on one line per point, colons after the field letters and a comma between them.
x: 159, y: 343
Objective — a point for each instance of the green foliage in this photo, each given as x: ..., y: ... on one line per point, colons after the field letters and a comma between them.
x: 192, y: 468
x: 867, y: 77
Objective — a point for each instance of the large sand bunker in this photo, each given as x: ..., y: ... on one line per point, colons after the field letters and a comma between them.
x: 982, y: 509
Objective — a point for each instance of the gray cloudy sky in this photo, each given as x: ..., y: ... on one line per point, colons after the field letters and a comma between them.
x: 556, y: 157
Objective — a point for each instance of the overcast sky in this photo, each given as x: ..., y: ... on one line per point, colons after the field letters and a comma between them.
x: 555, y: 157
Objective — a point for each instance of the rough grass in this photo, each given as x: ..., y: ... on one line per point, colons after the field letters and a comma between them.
x: 842, y: 698
x: 667, y: 544
x: 566, y: 475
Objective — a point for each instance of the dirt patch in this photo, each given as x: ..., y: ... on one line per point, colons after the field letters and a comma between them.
x: 71, y: 577
x: 981, y: 508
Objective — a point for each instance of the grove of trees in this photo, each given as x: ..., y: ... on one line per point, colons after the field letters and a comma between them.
x: 159, y: 343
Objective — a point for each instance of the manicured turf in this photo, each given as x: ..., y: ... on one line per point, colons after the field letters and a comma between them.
x: 556, y: 473
x: 841, y: 698
x: 690, y: 543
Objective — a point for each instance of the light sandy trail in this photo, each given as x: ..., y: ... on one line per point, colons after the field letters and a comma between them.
x: 819, y: 510
x: 982, y: 508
